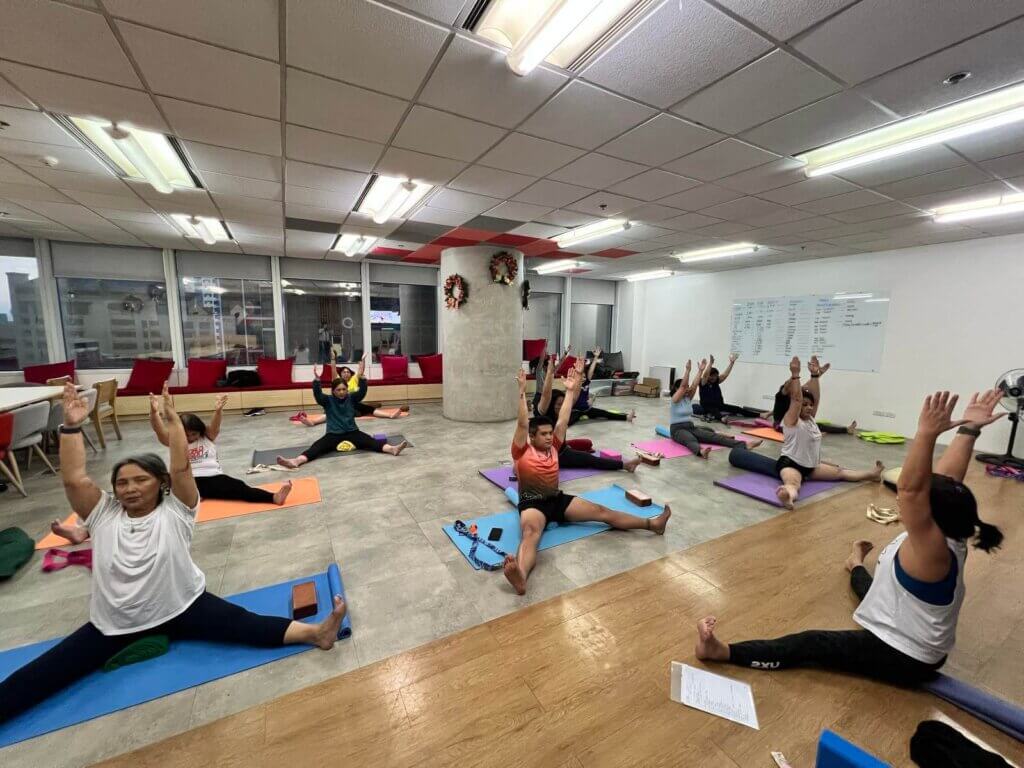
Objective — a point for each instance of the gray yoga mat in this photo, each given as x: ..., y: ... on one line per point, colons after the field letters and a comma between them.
x: 270, y: 456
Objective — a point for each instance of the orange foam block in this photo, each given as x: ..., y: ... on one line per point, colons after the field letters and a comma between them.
x: 305, y: 490
x: 765, y: 433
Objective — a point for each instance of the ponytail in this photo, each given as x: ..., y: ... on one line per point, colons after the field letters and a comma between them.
x: 989, y: 537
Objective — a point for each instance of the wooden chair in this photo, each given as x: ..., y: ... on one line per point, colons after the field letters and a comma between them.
x: 6, y: 433
x: 106, y: 405
x: 60, y: 381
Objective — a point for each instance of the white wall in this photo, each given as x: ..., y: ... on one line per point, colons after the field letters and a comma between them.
x: 955, y: 323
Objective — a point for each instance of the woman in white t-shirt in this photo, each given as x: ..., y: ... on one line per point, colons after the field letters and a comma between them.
x: 909, y: 610
x: 143, y: 579
x: 801, y: 446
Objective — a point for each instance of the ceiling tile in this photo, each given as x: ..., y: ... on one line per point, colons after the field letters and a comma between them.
x: 96, y: 200
x: 649, y: 212
x: 107, y: 183
x: 1006, y: 167
x: 808, y: 189
x: 466, y: 202
x: 721, y: 159
x: 781, y: 216
x: 446, y: 11
x: 9, y: 96
x: 784, y: 20
x: 322, y: 177
x: 87, y: 46
x: 917, y: 163
x: 345, y: 41
x: 472, y: 79
x: 181, y: 200
x: 825, y: 121
x: 724, y: 229
x: 489, y: 181
x: 641, y: 230
x: 315, y: 213
x: 563, y: 218
x: 225, y: 184
x: 995, y: 143
x: 688, y: 221
x: 654, y: 184
x: 769, y: 176
x: 660, y: 139
x: 12, y: 174
x: 30, y: 126
x: 764, y: 89
x: 526, y: 154
x: 874, y: 36
x: 26, y: 193
x: 585, y: 116
x: 330, y: 149
x: 186, y: 69
x: 439, y: 216
x: 741, y: 209
x: 700, y: 197
x: 249, y: 208
x: 939, y: 181
x: 439, y: 133
x: 328, y: 105
x: 234, y: 162
x: 613, y: 204
x: 320, y: 198
x: 872, y: 212
x: 519, y: 211
x: 222, y: 127
x: 844, y: 202
x: 552, y: 193
x: 415, y: 165
x: 648, y: 63
x: 597, y: 171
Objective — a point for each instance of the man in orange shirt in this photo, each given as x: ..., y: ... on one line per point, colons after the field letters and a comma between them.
x: 535, y: 453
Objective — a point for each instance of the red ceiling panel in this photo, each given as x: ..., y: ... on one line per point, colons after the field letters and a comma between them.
x: 613, y: 253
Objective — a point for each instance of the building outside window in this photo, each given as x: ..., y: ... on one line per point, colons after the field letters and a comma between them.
x: 403, y: 319
x: 321, y: 315
x: 227, y: 318
x: 590, y: 326
x: 22, y: 335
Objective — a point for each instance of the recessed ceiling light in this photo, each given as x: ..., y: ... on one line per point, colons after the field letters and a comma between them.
x: 956, y: 77
x: 652, y: 275
x: 1004, y: 205
x: 351, y: 243
x: 718, y: 252
x: 204, y: 228
x: 390, y: 197
x: 592, y: 231
x: 556, y: 266
x: 967, y: 117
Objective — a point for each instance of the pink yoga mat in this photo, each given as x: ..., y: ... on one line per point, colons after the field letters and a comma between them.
x: 670, y: 449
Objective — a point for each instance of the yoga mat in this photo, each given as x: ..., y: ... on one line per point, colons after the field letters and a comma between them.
x: 500, y: 475
x: 663, y: 431
x: 763, y: 488
x: 765, y: 433
x: 187, y: 664
x: 613, y: 497
x: 670, y: 449
x: 1004, y: 715
x: 51, y: 540
x: 305, y: 490
x: 270, y: 456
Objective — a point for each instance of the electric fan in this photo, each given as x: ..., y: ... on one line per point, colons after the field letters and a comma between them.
x: 1011, y: 384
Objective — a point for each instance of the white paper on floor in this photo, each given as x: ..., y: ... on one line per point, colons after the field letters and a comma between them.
x: 717, y: 695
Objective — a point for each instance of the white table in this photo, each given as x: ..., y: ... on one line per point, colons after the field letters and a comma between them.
x: 15, y: 397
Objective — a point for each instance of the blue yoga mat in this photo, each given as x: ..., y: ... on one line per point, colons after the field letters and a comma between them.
x: 662, y: 431
x: 1004, y: 715
x: 187, y: 664
x: 613, y: 497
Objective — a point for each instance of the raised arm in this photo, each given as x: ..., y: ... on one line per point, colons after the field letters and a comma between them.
x: 318, y: 388
x: 523, y: 418
x: 573, y: 381
x: 593, y: 364
x: 332, y: 364
x: 360, y: 393
x: 361, y: 370
x: 684, y: 384
x: 813, y: 384
x: 549, y: 379
x: 978, y: 414
x: 183, y: 485
x: 796, y: 397
x: 156, y: 421
x: 728, y: 369
x: 82, y: 492
x: 705, y: 371
x: 213, y: 430
x: 702, y: 376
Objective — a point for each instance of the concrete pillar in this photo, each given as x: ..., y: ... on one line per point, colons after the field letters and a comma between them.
x: 483, y: 339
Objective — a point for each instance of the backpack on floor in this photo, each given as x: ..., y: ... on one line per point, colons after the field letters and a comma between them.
x: 243, y: 378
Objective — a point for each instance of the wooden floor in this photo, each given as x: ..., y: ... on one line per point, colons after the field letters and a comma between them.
x: 582, y: 680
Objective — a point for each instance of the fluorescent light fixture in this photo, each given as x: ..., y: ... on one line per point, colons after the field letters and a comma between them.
x: 204, y: 228
x: 137, y: 153
x: 979, y: 209
x: 982, y: 113
x: 284, y: 283
x: 718, y: 252
x: 556, y: 266
x: 350, y: 244
x: 389, y: 197
x: 556, y: 31
x: 593, y: 231
x: 652, y: 275
x: 844, y: 296
x: 874, y: 301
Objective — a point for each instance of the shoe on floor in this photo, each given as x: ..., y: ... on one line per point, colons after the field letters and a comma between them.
x: 255, y: 412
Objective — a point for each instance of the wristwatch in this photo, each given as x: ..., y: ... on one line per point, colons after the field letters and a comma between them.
x: 972, y: 431
x: 65, y: 430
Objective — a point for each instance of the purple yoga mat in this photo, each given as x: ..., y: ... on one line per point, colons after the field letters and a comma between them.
x: 670, y: 449
x: 500, y: 476
x: 762, y: 487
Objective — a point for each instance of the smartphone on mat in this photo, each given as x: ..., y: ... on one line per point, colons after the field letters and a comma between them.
x: 495, y: 534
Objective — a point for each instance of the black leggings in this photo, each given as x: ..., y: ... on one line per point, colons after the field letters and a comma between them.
x: 856, y: 651
x: 687, y: 434
x: 833, y: 429
x: 329, y: 443
x: 716, y: 411
x: 570, y: 458
x: 87, y: 649
x: 363, y: 409
x: 597, y: 413
x: 226, y: 487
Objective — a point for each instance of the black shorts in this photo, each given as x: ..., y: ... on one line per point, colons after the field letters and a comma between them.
x: 553, y: 507
x: 785, y: 461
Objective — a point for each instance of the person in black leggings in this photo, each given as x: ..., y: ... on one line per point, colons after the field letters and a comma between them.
x: 144, y: 581
x: 340, y: 407
x: 547, y: 401
x: 584, y: 405
x: 778, y: 413
x: 712, y: 405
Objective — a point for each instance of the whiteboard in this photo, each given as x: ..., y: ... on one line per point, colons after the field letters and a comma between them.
x: 845, y: 329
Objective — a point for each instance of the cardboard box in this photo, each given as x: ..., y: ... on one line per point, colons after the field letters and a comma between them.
x: 648, y: 387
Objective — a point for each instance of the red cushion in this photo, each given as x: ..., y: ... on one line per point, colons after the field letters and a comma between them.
x: 149, y: 375
x: 533, y: 348
x: 203, y: 374
x: 394, y: 366
x: 40, y: 374
x: 275, y: 372
x: 567, y: 363
x: 430, y: 367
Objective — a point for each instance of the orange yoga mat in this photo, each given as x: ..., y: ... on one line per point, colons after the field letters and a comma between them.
x: 767, y: 433
x: 305, y: 490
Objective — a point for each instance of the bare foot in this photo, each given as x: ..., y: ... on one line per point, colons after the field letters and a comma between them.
x: 631, y: 465
x: 705, y: 451
x: 877, y: 474
x: 304, y: 419
x: 282, y: 493
x: 752, y: 444
x: 852, y: 429
x: 657, y: 524
x: 514, y: 574
x: 784, y: 497
x: 860, y: 550
x: 76, y: 534
x: 396, y: 449
x: 631, y: 416
x: 709, y: 647
x: 290, y: 463
x: 327, y: 630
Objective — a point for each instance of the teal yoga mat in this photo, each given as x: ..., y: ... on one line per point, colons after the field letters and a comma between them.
x: 614, y: 497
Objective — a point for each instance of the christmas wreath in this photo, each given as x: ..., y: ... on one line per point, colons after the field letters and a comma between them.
x: 504, y: 268
x: 456, y: 291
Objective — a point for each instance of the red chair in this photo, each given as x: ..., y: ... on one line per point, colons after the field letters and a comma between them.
x: 6, y: 433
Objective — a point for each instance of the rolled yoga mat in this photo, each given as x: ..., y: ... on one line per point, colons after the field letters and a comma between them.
x: 270, y: 456
x: 1004, y: 715
x: 187, y: 664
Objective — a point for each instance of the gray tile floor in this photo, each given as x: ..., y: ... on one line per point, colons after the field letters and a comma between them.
x: 381, y: 521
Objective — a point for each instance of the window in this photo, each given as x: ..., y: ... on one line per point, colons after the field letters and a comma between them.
x: 543, y: 320
x: 590, y: 326
x: 403, y: 319
x: 227, y: 318
x: 320, y: 314
x: 22, y: 335
x: 108, y: 323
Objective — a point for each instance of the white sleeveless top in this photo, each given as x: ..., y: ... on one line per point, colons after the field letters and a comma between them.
x: 921, y: 630
x: 802, y: 443
x: 202, y: 455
